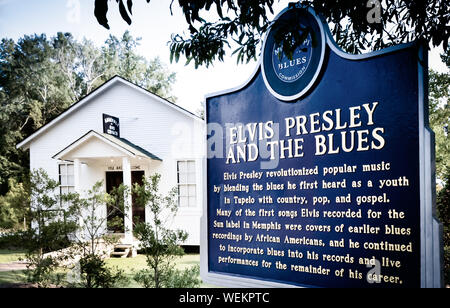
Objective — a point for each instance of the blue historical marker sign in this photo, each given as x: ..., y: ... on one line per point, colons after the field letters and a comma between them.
x: 319, y: 169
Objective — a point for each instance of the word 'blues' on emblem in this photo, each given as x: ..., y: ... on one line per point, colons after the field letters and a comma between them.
x: 291, y: 70
x: 289, y: 77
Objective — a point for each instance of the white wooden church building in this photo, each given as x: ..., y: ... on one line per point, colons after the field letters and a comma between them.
x: 117, y: 134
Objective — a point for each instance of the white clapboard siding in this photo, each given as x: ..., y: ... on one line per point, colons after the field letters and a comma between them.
x: 146, y: 120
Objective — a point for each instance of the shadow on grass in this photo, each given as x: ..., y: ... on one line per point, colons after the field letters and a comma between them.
x: 8, y: 256
x: 11, y: 279
x: 131, y: 265
x: 16, y: 279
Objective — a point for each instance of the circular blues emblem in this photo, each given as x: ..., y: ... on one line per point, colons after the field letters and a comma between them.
x: 290, y: 77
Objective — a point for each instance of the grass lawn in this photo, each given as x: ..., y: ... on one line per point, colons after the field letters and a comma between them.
x: 132, y: 265
x: 129, y: 266
x: 8, y: 256
x: 12, y: 277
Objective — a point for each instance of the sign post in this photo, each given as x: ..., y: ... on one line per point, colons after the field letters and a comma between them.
x: 319, y: 169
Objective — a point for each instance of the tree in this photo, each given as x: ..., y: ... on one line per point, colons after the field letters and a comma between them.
x: 95, y: 274
x: 439, y: 122
x: 14, y: 207
x: 116, y: 208
x: 63, y: 228
x: 29, y: 96
x: 40, y: 77
x: 52, y: 224
x: 443, y: 209
x: 92, y: 218
x: 357, y: 26
x: 92, y: 240
x: 440, y: 118
x: 160, y: 244
x: 122, y: 59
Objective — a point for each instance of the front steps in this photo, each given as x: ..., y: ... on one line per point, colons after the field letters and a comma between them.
x: 124, y: 251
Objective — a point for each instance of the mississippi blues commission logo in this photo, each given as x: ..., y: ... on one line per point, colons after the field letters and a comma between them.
x: 288, y: 78
x: 291, y: 70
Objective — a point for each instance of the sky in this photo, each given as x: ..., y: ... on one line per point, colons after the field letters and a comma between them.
x: 153, y: 23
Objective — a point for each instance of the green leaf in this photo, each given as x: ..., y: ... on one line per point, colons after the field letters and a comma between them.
x: 124, y: 13
x: 100, y: 11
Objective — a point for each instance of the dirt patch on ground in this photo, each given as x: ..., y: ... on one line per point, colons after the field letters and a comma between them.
x: 13, y: 266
